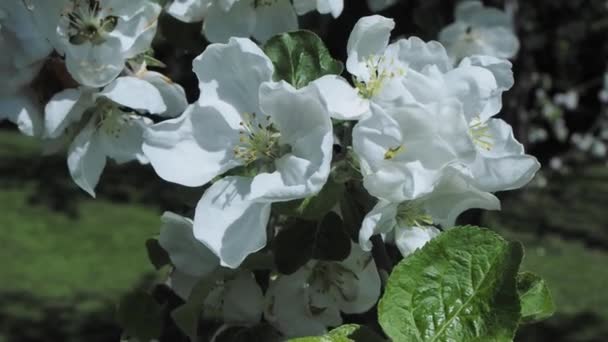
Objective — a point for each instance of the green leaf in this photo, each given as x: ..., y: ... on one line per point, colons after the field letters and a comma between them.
x: 345, y: 333
x: 461, y: 286
x: 304, y: 240
x: 314, y: 207
x: 187, y: 316
x: 157, y: 255
x: 140, y: 316
x: 300, y: 57
x: 535, y: 297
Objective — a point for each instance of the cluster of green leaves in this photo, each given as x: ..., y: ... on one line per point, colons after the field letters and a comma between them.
x: 464, y: 285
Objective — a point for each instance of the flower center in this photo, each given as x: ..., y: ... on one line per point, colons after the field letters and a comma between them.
x: 88, y: 24
x: 111, y: 120
x: 258, y: 141
x: 480, y: 132
x: 411, y: 214
x: 327, y: 276
x: 380, y: 71
x: 392, y: 152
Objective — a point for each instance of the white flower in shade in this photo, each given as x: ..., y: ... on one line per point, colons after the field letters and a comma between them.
x: 479, y: 30
x: 24, y: 47
x: 410, y: 224
x: 223, y: 19
x: 310, y: 300
x: 235, y: 297
x: 404, y: 151
x: 333, y: 7
x: 23, y: 110
x: 172, y: 93
x: 379, y: 5
x: 279, y: 137
x: 98, y: 36
x: 102, y: 126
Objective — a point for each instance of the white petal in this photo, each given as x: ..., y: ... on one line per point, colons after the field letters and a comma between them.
x: 367, y: 281
x: 137, y: 33
x: 188, y: 11
x: 305, y: 125
x: 123, y: 144
x: 195, y: 147
x: 94, y: 65
x: 135, y: 93
x: 304, y: 6
x: 454, y: 195
x: 369, y: 38
x: 182, y: 283
x: 86, y: 159
x: 335, y: 7
x: 274, y: 18
x: 217, y: 66
x: 63, y: 109
x: 417, y: 54
x: 343, y: 101
x: 380, y: 220
x: 22, y: 110
x: 409, y: 239
x: 173, y: 94
x: 228, y: 224
x: 243, y: 300
x: 187, y: 254
x: 504, y: 166
x: 239, y: 21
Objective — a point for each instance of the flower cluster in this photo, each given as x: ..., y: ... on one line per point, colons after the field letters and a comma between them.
x: 412, y: 128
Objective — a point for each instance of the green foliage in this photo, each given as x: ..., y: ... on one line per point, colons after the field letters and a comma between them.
x: 140, y: 316
x: 304, y: 240
x: 300, y: 57
x: 345, y: 333
x: 313, y: 207
x: 187, y: 316
x: 535, y: 297
x: 460, y: 287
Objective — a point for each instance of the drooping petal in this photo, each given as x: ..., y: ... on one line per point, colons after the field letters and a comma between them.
x: 94, y: 66
x: 65, y: 108
x: 222, y: 24
x: 231, y: 226
x: 343, y: 101
x: 189, y: 11
x: 187, y: 254
x: 194, y: 148
x: 504, y: 166
x: 135, y: 93
x: 273, y: 18
x: 365, y: 279
x: 369, y: 38
x: 173, y: 94
x: 86, y: 159
x: 304, y: 124
x: 243, y: 300
x: 22, y: 110
x: 409, y: 239
x: 217, y: 66
x: 380, y: 220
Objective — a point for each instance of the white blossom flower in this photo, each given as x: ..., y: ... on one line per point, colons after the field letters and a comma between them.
x: 310, y: 300
x: 235, y: 296
x: 98, y: 36
x: 410, y: 224
x: 404, y: 151
x: 479, y: 30
x: 334, y: 7
x: 223, y: 19
x: 172, y: 93
x: 102, y: 127
x: 279, y: 137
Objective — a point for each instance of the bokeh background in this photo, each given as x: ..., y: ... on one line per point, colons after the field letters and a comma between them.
x: 67, y: 259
